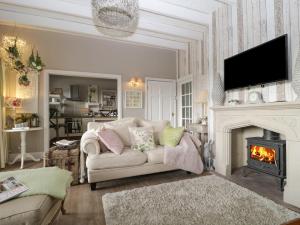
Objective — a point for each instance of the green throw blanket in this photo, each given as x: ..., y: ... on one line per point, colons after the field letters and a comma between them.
x: 50, y: 181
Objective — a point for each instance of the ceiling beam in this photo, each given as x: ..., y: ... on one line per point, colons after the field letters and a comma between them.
x: 52, y: 21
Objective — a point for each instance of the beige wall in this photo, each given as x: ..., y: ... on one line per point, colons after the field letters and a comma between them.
x: 75, y: 53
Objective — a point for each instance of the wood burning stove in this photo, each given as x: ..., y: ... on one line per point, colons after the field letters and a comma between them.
x: 267, y: 154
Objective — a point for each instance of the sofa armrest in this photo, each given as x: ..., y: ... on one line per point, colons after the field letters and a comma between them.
x: 91, y: 146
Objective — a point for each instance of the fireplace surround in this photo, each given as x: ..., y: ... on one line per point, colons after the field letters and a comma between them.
x: 283, y: 118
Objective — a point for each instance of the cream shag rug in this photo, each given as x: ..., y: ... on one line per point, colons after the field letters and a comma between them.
x: 208, y: 200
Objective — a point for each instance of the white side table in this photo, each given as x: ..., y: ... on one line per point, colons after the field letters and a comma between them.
x: 23, y: 155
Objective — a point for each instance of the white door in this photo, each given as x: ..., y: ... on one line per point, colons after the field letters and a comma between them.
x: 161, y: 100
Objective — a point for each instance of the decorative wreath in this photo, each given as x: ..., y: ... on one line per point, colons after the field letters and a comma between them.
x: 34, y: 63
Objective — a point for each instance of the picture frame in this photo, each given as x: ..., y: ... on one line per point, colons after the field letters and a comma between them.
x: 133, y: 99
x: 93, y: 93
x: 109, y: 99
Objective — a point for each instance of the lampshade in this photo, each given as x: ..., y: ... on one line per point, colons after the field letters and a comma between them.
x: 203, y: 97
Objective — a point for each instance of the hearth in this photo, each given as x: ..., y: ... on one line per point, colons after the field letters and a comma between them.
x: 267, y: 154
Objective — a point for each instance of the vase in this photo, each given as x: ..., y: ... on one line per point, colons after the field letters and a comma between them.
x: 296, y: 76
x: 218, y: 94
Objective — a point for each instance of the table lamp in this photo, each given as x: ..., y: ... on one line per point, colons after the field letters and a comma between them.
x: 202, y: 99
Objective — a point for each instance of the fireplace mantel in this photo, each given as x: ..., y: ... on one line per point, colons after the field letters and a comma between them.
x: 264, y: 106
x: 281, y: 117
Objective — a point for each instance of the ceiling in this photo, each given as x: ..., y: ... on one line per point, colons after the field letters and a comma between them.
x: 176, y: 8
x: 166, y: 23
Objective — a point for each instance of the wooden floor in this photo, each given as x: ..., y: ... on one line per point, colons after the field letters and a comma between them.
x: 84, y: 206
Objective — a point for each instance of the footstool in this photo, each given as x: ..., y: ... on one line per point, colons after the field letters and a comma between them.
x: 30, y: 210
x: 67, y: 159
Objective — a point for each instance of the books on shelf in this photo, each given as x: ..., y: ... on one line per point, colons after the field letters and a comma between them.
x: 10, y: 188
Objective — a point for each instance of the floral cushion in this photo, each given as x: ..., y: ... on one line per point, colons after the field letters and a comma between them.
x: 142, y: 138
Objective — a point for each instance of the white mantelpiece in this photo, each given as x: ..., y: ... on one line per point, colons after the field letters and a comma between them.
x: 283, y: 118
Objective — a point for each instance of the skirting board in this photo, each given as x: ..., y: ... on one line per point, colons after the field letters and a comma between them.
x: 38, y: 155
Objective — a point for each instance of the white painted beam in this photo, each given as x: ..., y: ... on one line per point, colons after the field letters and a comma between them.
x: 175, y: 11
x: 8, y: 15
x: 146, y: 22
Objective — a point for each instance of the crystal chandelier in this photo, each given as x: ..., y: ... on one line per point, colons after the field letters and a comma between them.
x: 115, y: 17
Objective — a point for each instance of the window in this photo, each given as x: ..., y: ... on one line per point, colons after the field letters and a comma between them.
x: 186, y: 103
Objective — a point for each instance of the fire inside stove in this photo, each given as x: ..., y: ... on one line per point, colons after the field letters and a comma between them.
x: 263, y: 154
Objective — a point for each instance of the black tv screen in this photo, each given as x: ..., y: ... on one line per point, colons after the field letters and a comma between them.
x: 265, y: 63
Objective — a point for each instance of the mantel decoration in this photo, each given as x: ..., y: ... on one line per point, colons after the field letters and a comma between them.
x: 218, y: 94
x: 12, y: 51
x: 116, y: 18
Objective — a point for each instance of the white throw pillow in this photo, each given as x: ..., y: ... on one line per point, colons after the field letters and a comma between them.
x: 142, y: 138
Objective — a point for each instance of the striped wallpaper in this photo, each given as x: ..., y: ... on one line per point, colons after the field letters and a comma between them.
x: 250, y: 23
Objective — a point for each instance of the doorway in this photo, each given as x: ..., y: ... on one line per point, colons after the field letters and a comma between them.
x: 161, y: 100
x: 45, y: 90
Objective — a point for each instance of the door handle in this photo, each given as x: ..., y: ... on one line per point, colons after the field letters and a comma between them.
x: 173, y: 114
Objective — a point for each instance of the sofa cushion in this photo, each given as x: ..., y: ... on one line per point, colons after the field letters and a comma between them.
x: 26, y: 210
x: 171, y: 136
x: 158, y: 128
x: 111, y: 140
x: 111, y: 160
x: 142, y: 138
x: 121, y: 128
x: 156, y: 155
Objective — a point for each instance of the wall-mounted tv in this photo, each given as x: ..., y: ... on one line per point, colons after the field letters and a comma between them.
x: 265, y: 63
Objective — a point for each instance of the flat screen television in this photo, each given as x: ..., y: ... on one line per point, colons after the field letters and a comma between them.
x: 265, y: 63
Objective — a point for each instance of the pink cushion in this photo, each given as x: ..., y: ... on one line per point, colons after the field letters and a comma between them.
x: 111, y: 140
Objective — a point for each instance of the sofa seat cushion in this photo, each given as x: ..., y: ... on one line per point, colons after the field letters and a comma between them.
x: 26, y: 210
x: 156, y: 155
x: 109, y: 160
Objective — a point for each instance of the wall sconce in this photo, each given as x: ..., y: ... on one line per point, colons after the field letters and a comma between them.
x: 134, y: 82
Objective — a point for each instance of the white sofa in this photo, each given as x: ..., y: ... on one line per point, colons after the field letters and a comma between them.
x: 103, y: 166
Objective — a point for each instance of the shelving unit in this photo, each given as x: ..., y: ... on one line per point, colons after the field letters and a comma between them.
x: 55, y: 99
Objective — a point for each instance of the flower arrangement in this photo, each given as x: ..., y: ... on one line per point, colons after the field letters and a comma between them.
x: 13, y: 59
x: 12, y: 102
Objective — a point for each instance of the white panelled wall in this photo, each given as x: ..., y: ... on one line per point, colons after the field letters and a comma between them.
x: 248, y: 23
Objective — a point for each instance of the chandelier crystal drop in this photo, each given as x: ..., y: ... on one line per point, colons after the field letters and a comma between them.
x: 117, y: 18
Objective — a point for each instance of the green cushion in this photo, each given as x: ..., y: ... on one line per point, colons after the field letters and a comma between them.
x: 171, y: 136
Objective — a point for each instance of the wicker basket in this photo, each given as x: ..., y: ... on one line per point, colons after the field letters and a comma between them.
x: 64, y: 159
